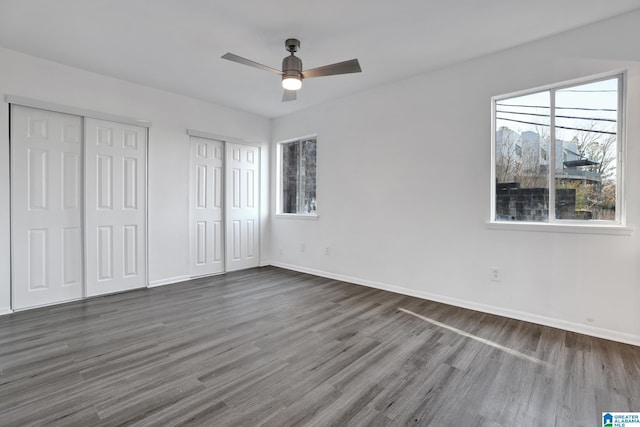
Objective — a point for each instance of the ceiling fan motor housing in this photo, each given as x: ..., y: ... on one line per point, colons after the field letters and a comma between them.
x: 292, y: 67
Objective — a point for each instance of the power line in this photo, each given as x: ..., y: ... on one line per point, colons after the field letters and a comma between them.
x: 557, y: 108
x: 560, y: 117
x: 559, y: 127
x: 522, y: 105
x: 585, y: 90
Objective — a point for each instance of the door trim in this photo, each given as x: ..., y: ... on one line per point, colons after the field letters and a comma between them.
x: 221, y: 138
x: 82, y: 112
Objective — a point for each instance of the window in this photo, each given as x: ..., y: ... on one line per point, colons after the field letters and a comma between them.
x: 556, y: 153
x: 297, y: 177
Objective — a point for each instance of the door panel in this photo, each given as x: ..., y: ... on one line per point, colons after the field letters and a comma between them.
x: 205, y: 207
x: 115, y: 206
x: 242, y: 213
x: 46, y: 207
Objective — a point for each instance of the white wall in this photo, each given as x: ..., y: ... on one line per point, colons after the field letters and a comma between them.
x: 404, y: 192
x: 171, y: 115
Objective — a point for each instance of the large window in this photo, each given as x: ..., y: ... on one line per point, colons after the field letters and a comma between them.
x: 556, y: 153
x: 297, y: 177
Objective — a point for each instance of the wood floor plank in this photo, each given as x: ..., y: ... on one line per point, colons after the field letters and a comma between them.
x: 274, y: 347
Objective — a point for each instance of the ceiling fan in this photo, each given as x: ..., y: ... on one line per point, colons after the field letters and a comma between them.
x: 292, y: 73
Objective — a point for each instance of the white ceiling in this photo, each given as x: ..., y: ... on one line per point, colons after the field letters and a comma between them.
x: 176, y: 44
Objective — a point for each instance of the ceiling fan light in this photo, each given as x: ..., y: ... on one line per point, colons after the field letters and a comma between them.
x: 291, y: 83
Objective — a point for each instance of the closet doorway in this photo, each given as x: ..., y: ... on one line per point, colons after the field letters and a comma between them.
x: 78, y: 206
x: 224, y: 206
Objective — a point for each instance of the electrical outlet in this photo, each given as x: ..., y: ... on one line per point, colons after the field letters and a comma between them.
x: 302, y: 247
x: 494, y: 274
x: 327, y: 250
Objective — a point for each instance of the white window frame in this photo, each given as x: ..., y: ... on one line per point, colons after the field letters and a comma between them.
x: 278, y: 207
x: 617, y: 226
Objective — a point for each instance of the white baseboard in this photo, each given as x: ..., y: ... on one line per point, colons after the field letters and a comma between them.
x: 5, y: 310
x: 168, y: 281
x: 499, y: 311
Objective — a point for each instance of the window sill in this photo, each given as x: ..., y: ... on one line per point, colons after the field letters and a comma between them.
x: 297, y: 216
x: 615, y: 230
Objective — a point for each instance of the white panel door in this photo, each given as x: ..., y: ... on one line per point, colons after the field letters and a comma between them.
x: 115, y: 206
x: 46, y: 170
x: 206, y: 200
x: 242, y: 170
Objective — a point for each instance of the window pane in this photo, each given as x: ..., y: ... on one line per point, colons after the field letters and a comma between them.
x: 308, y: 177
x: 290, y: 176
x: 586, y: 147
x: 522, y: 166
x: 298, y: 176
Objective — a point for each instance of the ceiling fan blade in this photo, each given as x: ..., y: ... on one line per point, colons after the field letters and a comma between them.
x: 289, y: 95
x: 245, y: 61
x: 345, y: 67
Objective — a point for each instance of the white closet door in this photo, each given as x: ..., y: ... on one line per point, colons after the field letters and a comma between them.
x: 115, y: 206
x: 242, y: 206
x: 46, y: 217
x: 206, y: 199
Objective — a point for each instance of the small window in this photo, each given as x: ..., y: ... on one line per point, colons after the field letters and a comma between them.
x: 556, y: 153
x: 297, y: 177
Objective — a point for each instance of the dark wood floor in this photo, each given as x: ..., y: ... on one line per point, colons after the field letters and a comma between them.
x: 278, y: 348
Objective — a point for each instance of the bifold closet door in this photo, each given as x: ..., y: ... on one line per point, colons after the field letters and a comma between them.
x: 242, y: 170
x: 115, y: 206
x: 46, y: 210
x: 206, y: 200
